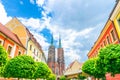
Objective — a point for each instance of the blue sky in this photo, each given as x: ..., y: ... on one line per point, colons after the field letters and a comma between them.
x: 79, y: 22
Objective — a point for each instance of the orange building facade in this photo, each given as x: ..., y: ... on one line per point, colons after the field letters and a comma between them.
x: 109, y: 35
x: 11, y: 42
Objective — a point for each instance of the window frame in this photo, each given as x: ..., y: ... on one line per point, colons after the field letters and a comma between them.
x: 11, y: 48
x: 1, y: 42
x: 113, y: 36
x: 30, y: 47
x: 118, y: 20
x: 20, y: 52
x: 108, y: 39
x: 104, y: 42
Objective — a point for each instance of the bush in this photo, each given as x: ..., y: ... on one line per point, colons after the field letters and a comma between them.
x: 3, y: 59
x: 62, y: 78
x: 52, y: 77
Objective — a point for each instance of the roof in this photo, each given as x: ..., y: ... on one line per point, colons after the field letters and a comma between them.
x: 4, y: 30
x: 73, y: 68
x: 70, y: 66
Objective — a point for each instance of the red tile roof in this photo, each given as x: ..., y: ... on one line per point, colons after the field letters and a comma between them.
x: 4, y: 30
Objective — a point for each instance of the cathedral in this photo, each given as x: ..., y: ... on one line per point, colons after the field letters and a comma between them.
x: 56, y: 60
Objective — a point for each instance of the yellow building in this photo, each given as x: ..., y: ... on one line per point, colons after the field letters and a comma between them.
x: 73, y: 70
x: 115, y: 17
x: 33, y: 47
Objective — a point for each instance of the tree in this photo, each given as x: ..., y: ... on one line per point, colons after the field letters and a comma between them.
x: 100, y: 69
x: 51, y: 77
x: 81, y: 77
x: 90, y: 68
x: 20, y: 67
x: 63, y: 78
x: 42, y: 71
x: 3, y: 59
x: 110, y: 58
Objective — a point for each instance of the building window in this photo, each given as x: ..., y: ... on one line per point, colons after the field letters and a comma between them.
x: 104, y: 43
x: 34, y: 51
x: 119, y: 21
x: 113, y: 35
x: 101, y: 46
x: 9, y: 49
x: 37, y: 53
x: 1, y: 42
x: 19, y: 52
x: 36, y: 59
x: 53, y: 68
x: 30, y: 47
x: 108, y: 39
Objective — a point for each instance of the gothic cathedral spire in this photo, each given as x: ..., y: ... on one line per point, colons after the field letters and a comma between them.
x: 60, y: 41
x: 52, y: 39
x: 60, y: 58
x: 51, y: 56
x: 58, y: 66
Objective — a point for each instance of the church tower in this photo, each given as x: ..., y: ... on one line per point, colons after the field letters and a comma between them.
x: 51, y: 56
x: 60, y: 58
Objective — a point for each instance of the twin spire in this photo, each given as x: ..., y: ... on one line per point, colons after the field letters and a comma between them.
x: 59, y: 41
x: 52, y: 39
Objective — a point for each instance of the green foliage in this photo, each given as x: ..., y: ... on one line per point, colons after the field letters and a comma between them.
x: 3, y: 59
x: 110, y: 58
x: 62, y: 78
x: 108, y: 61
x: 100, y: 68
x: 90, y: 68
x: 51, y: 77
x: 42, y: 71
x: 80, y: 76
x: 20, y: 67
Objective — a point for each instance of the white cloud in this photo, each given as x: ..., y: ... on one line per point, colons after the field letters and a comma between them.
x: 79, y: 27
x: 31, y: 23
x: 72, y: 42
x: 75, y: 14
x: 32, y: 1
x: 71, y: 55
x: 40, y: 2
x: 36, y: 24
x: 79, y: 23
x: 3, y: 15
